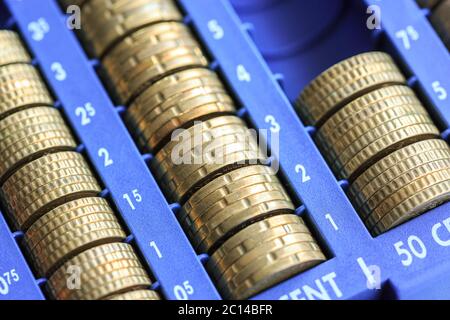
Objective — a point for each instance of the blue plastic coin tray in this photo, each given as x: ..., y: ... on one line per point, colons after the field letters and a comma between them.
x: 266, y: 51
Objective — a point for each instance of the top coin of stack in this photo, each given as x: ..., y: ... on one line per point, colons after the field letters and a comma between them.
x: 12, y: 49
x: 345, y: 81
x: 139, y: 43
x: 20, y: 84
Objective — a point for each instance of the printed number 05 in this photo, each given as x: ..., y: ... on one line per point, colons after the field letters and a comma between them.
x: 183, y: 292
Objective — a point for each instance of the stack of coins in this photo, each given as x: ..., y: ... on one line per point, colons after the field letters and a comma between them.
x: 440, y: 19
x: 367, y: 119
x: 205, y: 157
x: 404, y: 184
x: 51, y: 194
x: 262, y: 254
x: 174, y: 102
x: 138, y: 42
x: 107, y: 22
x: 219, y: 145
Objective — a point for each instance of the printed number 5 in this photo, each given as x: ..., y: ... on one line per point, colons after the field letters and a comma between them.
x: 216, y: 30
x: 441, y: 92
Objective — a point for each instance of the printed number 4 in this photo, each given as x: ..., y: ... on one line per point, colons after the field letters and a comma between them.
x: 242, y: 74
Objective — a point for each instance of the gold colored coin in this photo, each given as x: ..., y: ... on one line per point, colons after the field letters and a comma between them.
x: 230, y: 202
x: 102, y: 271
x: 148, y: 55
x: 419, y: 196
x: 137, y: 295
x: 21, y: 86
x: 28, y: 134
x: 440, y: 19
x: 175, y: 102
x: 262, y: 255
x: 393, y: 166
x: 45, y: 183
x: 344, y: 82
x: 375, y: 199
x: 371, y: 126
x: 107, y: 22
x: 402, y: 185
x: 231, y: 250
x: 13, y: 51
x: 70, y: 229
x: 201, y: 153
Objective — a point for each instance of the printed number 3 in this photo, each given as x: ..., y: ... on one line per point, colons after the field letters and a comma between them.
x: 275, y: 126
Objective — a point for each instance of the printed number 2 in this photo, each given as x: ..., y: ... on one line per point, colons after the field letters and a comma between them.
x: 103, y: 153
x: 302, y: 170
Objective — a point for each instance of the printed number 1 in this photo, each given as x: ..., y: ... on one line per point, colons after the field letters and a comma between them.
x: 155, y: 247
x: 333, y: 224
